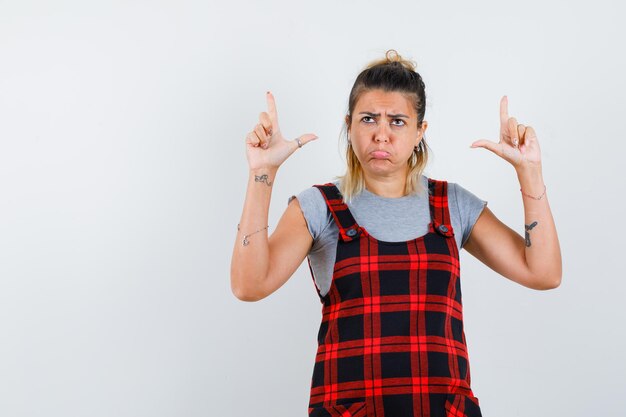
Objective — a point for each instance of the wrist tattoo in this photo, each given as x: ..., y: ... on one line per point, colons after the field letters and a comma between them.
x: 263, y: 178
x: 528, y: 228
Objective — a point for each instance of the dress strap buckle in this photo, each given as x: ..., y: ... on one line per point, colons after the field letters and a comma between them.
x: 348, y: 227
x: 444, y: 229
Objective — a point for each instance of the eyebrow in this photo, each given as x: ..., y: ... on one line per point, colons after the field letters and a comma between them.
x: 399, y: 115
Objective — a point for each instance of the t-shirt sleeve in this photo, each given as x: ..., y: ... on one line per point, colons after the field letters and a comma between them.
x: 470, y: 208
x: 314, y: 210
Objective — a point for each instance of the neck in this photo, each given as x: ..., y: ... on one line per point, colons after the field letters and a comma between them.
x: 389, y: 187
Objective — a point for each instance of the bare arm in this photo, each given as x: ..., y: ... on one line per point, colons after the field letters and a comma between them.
x: 264, y: 265
x: 535, y: 259
x: 260, y: 265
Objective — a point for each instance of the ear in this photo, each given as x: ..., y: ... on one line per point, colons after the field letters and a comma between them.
x: 347, y: 120
x: 422, y: 130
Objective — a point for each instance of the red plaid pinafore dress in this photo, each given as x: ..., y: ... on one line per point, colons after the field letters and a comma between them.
x: 391, y: 342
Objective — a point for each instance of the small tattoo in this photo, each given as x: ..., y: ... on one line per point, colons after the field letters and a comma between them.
x: 529, y: 227
x: 263, y: 178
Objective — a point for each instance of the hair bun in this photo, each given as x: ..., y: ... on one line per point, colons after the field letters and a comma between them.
x: 392, y: 57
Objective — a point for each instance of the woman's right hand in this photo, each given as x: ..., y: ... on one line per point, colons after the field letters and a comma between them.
x: 266, y: 147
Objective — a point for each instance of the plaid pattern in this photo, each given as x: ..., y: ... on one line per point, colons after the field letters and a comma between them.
x: 391, y: 341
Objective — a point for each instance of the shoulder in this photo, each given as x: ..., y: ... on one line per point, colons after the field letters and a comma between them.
x: 467, y: 207
x: 311, y: 200
x: 314, y: 209
x: 463, y: 196
x: 313, y: 194
x: 310, y: 193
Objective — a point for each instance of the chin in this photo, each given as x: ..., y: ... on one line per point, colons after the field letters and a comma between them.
x: 380, y: 166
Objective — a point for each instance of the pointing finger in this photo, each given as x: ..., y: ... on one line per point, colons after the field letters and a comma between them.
x: 504, y: 111
x: 271, y: 109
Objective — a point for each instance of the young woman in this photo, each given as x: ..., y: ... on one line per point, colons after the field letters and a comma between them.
x: 383, y: 245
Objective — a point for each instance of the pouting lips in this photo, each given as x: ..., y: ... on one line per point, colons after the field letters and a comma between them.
x: 380, y: 154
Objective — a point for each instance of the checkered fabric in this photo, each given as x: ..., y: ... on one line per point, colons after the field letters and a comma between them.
x: 391, y: 342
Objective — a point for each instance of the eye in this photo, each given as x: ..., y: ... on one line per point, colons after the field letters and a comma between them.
x: 399, y: 120
x: 366, y: 117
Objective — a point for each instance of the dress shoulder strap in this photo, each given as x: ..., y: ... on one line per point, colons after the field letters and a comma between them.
x: 348, y: 227
x: 439, y: 209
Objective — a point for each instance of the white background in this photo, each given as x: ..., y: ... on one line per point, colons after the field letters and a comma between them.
x: 123, y: 172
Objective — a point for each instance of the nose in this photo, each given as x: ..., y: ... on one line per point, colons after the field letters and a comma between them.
x: 381, y: 134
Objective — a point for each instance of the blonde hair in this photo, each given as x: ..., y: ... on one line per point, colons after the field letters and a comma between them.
x: 392, y: 73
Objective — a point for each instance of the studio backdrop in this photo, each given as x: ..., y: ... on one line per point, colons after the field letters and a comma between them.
x: 123, y: 174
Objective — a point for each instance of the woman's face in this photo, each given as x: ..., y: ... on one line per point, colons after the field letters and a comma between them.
x: 384, y: 132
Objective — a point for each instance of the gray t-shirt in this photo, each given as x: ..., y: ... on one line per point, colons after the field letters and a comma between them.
x: 388, y: 219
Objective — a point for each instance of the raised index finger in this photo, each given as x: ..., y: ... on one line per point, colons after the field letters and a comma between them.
x: 271, y: 110
x: 504, y: 111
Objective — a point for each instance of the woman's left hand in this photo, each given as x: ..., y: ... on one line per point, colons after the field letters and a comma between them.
x: 518, y: 143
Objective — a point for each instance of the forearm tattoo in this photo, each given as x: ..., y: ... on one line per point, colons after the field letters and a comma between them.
x: 528, y: 228
x: 263, y: 178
